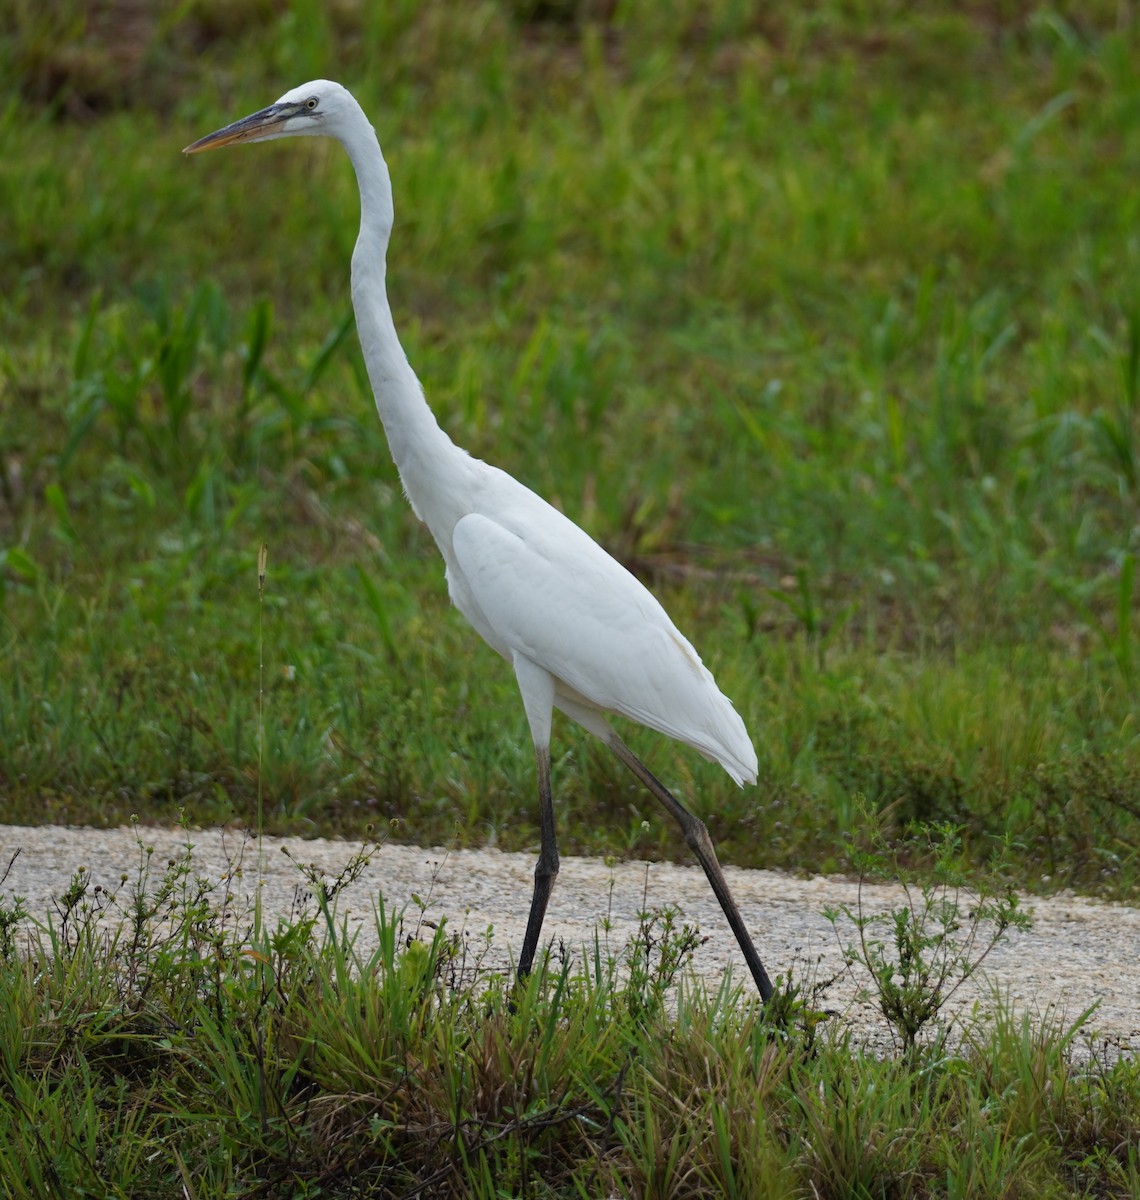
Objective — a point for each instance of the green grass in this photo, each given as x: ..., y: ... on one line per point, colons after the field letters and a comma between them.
x: 826, y: 321
x: 157, y: 1039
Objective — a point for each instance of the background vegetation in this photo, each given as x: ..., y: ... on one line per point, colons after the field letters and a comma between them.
x: 824, y: 318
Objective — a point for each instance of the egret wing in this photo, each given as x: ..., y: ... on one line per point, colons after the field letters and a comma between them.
x: 543, y: 588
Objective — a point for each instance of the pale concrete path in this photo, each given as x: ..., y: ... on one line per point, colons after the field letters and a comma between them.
x: 1078, y: 952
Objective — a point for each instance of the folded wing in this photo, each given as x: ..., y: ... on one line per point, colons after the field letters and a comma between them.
x: 546, y: 590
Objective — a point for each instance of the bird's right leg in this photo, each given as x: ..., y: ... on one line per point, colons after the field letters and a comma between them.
x: 537, y: 688
x: 698, y: 840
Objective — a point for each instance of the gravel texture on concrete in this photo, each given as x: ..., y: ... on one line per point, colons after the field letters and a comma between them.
x: 1078, y: 952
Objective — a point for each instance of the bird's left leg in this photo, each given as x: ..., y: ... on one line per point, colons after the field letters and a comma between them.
x: 698, y: 840
x: 537, y: 687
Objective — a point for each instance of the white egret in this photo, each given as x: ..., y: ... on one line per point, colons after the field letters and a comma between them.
x: 583, y: 635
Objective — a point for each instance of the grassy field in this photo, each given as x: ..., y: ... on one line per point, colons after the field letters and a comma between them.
x: 826, y: 322
x: 823, y: 318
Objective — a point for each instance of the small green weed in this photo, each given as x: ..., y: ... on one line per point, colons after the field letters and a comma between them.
x: 922, y: 951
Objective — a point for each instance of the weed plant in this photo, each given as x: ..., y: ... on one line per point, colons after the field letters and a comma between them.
x: 824, y: 318
x: 919, y: 953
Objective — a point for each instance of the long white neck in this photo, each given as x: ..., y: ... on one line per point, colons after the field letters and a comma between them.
x: 414, y: 435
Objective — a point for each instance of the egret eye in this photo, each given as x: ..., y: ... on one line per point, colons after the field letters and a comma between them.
x: 311, y: 103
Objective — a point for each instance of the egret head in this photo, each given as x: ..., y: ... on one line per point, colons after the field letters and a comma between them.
x: 319, y: 107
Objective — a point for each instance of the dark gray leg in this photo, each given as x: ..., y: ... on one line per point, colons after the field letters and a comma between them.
x: 698, y: 840
x: 546, y: 871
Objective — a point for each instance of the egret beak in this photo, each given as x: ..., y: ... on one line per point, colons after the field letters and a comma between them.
x: 254, y: 128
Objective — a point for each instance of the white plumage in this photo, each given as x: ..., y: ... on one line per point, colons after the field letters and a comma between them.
x: 582, y: 634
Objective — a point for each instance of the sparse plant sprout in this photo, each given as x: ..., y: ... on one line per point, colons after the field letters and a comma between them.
x: 13, y: 913
x: 920, y: 953
x: 798, y: 1011
x: 657, y: 954
x: 325, y: 888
